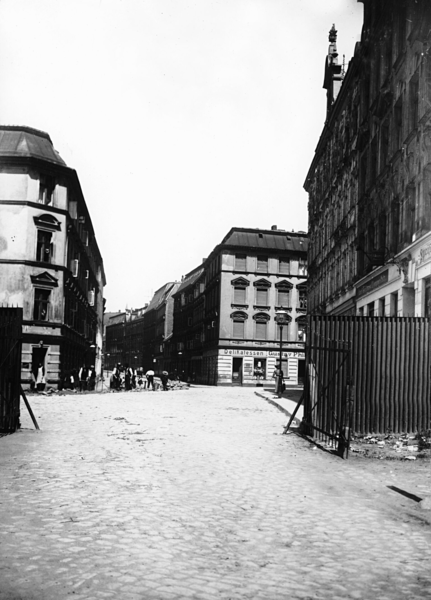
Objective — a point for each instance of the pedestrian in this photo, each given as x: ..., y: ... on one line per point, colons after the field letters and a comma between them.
x: 128, y: 378
x: 165, y: 378
x: 40, y: 378
x: 91, y: 379
x: 278, y: 375
x: 150, y: 379
x: 115, y: 381
x: 82, y: 376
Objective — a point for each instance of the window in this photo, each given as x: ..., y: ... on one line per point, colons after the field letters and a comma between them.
x: 44, y: 246
x: 302, y: 267
x: 261, y: 326
x: 398, y: 122
x: 371, y: 309
x: 261, y: 296
x: 74, y: 267
x: 283, y: 297
x: 46, y: 188
x: 302, y: 298
x: 239, y: 295
x: 262, y: 264
x: 41, y: 304
x: 427, y: 297
x: 302, y: 329
x: 284, y: 266
x: 381, y: 307
x: 238, y: 328
x: 240, y: 262
x: 91, y: 297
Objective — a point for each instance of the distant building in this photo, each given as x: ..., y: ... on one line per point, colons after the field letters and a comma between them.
x: 50, y: 264
x: 115, y: 325
x: 225, y: 330
x: 157, y: 328
x: 124, y: 338
x: 369, y: 184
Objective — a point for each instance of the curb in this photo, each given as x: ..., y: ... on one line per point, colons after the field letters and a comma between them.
x: 295, y: 421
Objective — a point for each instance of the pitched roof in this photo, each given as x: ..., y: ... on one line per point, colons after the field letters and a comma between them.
x: 29, y: 142
x: 266, y: 239
x: 159, y: 296
x: 190, y: 279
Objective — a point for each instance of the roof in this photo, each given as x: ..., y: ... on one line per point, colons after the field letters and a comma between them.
x: 190, y: 279
x: 159, y: 296
x: 266, y: 239
x: 116, y: 319
x: 28, y: 142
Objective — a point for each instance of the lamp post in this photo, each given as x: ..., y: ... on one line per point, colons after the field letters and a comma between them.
x: 281, y: 320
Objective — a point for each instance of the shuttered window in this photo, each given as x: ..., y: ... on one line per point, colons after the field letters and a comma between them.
x: 262, y: 264
x: 283, y: 297
x: 239, y: 295
x: 261, y: 328
x: 238, y: 329
x: 240, y: 262
x: 284, y: 266
x: 261, y: 297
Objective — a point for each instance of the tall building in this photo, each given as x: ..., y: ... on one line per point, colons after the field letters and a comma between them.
x: 50, y: 263
x: 225, y: 329
x: 369, y: 183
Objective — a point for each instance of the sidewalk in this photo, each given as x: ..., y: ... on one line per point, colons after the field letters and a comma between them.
x: 287, y: 403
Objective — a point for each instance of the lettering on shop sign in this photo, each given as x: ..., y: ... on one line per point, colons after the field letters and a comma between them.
x: 373, y: 284
x: 245, y: 352
x: 288, y: 354
x: 424, y: 254
x: 262, y: 353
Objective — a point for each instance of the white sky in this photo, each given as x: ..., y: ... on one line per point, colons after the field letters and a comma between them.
x: 182, y: 118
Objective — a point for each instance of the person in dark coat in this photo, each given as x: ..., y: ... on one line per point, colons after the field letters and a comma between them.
x: 83, y: 375
x: 165, y: 378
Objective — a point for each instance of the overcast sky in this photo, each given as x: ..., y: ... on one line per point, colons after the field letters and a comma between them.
x: 182, y: 118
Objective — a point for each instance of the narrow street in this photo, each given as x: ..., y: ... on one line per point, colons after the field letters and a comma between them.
x: 196, y: 494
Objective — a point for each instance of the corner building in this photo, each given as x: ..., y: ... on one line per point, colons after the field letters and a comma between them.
x: 50, y: 264
x: 249, y: 276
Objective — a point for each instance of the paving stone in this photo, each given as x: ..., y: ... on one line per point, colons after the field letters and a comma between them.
x: 198, y: 495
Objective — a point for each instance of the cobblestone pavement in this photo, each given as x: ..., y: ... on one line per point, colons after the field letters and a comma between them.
x: 196, y: 494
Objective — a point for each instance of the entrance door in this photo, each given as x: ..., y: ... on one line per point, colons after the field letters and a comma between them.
x: 37, y: 358
x: 237, y: 371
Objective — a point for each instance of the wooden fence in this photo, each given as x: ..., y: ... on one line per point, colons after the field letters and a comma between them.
x: 10, y: 368
x: 367, y: 375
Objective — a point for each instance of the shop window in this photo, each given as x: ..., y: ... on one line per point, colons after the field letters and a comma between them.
x: 44, y: 247
x: 259, y: 368
x: 240, y: 262
x: 284, y: 266
x: 41, y: 304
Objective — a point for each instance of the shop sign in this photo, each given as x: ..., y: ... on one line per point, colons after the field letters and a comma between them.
x: 263, y: 353
x: 372, y: 284
x: 424, y: 254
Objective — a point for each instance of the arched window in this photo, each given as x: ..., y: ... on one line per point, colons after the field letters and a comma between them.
x: 238, y: 324
x: 261, y: 326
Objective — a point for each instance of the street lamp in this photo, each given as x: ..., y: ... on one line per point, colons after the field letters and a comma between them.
x: 281, y: 318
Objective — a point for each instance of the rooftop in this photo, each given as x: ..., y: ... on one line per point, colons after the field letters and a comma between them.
x: 18, y: 140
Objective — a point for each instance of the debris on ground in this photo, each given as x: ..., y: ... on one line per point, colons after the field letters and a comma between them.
x: 393, y: 446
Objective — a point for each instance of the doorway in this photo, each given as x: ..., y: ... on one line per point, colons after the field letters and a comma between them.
x: 237, y: 371
x: 38, y: 357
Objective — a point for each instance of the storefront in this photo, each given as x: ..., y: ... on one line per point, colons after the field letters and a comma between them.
x: 250, y: 366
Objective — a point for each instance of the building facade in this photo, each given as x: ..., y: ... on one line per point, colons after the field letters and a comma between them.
x: 157, y: 328
x: 50, y: 264
x: 369, y: 184
x: 225, y: 329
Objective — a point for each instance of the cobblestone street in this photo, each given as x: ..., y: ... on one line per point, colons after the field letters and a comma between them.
x: 196, y: 494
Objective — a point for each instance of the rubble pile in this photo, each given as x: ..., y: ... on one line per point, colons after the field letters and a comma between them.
x: 393, y: 446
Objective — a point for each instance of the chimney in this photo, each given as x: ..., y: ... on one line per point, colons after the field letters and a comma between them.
x: 333, y: 71
x: 273, y: 227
